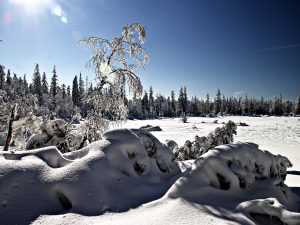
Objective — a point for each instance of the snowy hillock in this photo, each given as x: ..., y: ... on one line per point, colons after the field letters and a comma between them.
x: 230, y: 174
x: 131, y: 167
x: 125, y: 169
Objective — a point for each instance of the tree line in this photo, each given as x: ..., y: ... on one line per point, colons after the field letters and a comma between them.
x: 59, y: 100
x: 65, y: 101
x: 160, y: 106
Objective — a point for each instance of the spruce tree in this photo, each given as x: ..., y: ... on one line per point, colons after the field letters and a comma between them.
x: 151, y: 101
x: 75, y: 92
x: 45, y: 86
x: 54, y: 88
x: 81, y: 89
x: 145, y: 104
x: 297, y: 106
x: 173, y: 104
x: 63, y: 91
x: 180, y: 100
x: 8, y: 79
x: 37, y: 84
x: 218, y: 102
x: 2, y: 77
x: 25, y: 84
x: 185, y: 101
x: 69, y: 91
x: 207, y: 104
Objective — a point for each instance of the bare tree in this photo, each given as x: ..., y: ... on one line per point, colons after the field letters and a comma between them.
x: 115, y: 64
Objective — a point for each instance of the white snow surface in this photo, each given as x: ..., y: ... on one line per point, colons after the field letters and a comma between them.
x: 129, y: 177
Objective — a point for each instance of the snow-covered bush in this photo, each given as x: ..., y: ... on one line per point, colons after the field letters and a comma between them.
x: 55, y: 133
x: 193, y: 150
x: 184, y: 118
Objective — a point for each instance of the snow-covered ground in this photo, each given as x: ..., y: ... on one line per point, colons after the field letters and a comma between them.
x: 129, y: 168
x: 279, y: 135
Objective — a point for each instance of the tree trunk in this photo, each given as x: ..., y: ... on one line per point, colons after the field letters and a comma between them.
x: 9, y: 133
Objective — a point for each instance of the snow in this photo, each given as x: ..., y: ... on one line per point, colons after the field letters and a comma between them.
x: 280, y: 135
x: 130, y: 177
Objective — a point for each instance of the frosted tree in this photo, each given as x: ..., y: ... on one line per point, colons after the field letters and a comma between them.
x: 218, y: 102
x: 2, y: 77
x: 37, y: 84
x: 115, y: 63
x: 75, y: 92
x: 81, y: 89
x: 45, y: 86
x: 145, y: 104
x: 173, y: 104
x: 151, y: 102
x: 297, y: 106
x: 54, y: 88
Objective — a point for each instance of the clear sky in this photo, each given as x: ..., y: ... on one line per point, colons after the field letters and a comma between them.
x: 238, y: 46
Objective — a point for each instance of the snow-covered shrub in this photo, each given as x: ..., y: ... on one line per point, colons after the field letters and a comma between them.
x: 184, y: 118
x: 55, y: 133
x: 193, y: 150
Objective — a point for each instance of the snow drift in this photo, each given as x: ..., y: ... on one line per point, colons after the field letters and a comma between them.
x: 131, y: 167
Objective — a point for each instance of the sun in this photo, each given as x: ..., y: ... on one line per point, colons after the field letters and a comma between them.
x: 29, y: 5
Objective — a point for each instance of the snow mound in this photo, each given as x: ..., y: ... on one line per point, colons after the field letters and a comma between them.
x: 150, y: 128
x: 268, y: 211
x: 124, y: 170
x: 230, y: 174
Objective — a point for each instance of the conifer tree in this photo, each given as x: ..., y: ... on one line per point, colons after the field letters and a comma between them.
x: 54, y: 88
x: 297, y: 106
x: 75, y: 92
x: 185, y: 101
x: 63, y: 91
x: 151, y: 101
x: 173, y: 104
x: 69, y: 91
x: 145, y: 104
x: 180, y: 100
x: 207, y: 104
x: 25, y: 84
x: 218, y: 102
x: 37, y: 84
x: 8, y: 79
x: 45, y: 86
x: 2, y: 77
x: 81, y: 89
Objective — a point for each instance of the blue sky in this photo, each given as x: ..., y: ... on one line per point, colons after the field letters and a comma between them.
x: 240, y: 47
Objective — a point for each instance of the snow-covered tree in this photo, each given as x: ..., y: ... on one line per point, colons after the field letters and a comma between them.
x: 173, y: 104
x: 297, y: 106
x: 151, y: 102
x: 115, y: 64
x: 218, y: 102
x: 45, y: 86
x: 37, y: 84
x: 75, y: 92
x: 145, y: 104
x: 54, y: 88
x: 81, y: 89
x: 2, y: 77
